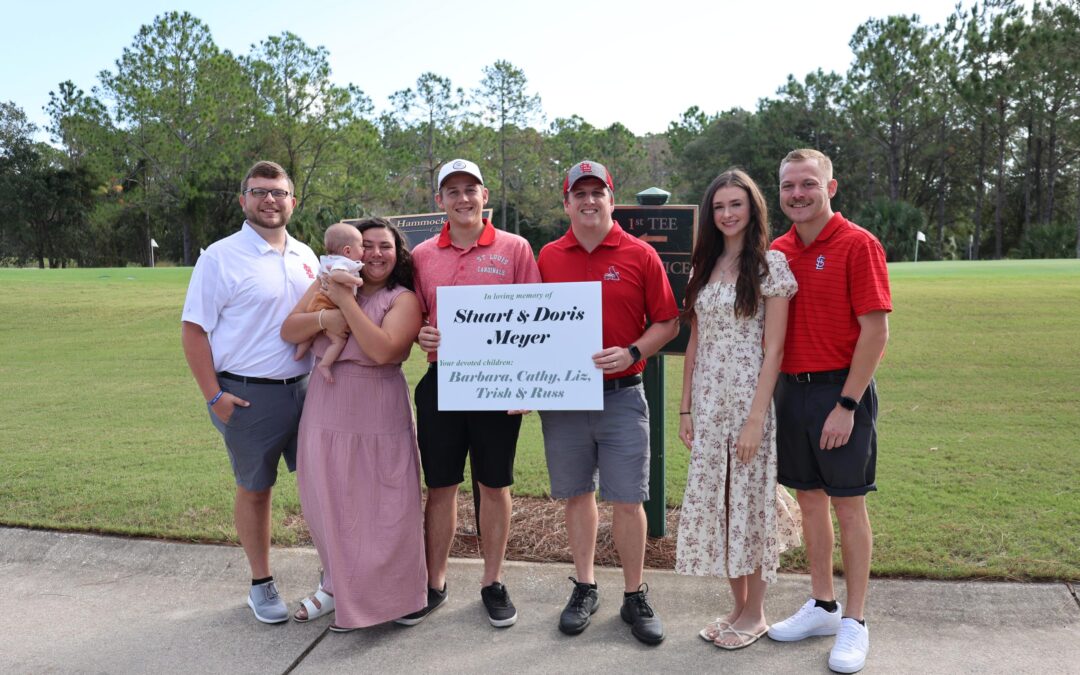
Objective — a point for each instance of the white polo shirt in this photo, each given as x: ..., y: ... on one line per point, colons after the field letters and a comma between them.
x: 240, y: 293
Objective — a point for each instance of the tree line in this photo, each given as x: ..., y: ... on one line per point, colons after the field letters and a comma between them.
x: 968, y: 131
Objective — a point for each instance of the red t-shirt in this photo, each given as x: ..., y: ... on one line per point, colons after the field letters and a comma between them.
x: 842, y: 275
x: 633, y: 285
x: 497, y: 257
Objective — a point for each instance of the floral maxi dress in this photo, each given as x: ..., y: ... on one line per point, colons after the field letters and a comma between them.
x: 735, y: 517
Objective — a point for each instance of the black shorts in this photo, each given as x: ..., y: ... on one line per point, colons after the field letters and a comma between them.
x: 446, y: 438
x: 801, y: 409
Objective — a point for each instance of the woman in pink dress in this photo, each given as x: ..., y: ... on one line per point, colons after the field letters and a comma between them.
x: 358, y: 467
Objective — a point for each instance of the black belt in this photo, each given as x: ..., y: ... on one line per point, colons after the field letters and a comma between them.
x: 822, y: 376
x: 259, y: 380
x: 622, y: 382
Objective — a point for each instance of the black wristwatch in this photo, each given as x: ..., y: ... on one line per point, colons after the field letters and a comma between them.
x: 635, y: 354
x: 848, y: 403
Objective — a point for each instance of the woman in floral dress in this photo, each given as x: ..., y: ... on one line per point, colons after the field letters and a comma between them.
x: 735, y: 520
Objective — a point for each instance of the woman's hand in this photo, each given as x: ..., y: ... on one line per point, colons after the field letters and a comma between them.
x: 749, y: 440
x: 333, y: 322
x: 686, y: 431
x: 339, y: 294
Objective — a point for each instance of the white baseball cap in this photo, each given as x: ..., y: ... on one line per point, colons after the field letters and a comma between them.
x: 459, y: 166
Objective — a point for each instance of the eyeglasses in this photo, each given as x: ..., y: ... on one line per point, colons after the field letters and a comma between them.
x: 260, y: 193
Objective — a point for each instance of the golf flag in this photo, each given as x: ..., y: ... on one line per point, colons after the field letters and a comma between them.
x: 920, y: 236
x: 153, y: 244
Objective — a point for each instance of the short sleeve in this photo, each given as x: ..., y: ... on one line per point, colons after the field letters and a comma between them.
x: 868, y: 278
x: 526, y: 271
x: 780, y: 282
x: 208, y: 291
x: 660, y: 304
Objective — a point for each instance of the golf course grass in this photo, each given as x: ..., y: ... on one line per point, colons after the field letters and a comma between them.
x: 102, y: 428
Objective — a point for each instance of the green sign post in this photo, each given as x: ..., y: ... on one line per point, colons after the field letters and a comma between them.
x: 670, y: 230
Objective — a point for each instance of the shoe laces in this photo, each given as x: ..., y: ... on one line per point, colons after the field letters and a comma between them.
x: 581, y: 592
x: 848, y: 638
x: 496, y: 592
x: 803, y: 612
x: 641, y: 600
x: 270, y: 591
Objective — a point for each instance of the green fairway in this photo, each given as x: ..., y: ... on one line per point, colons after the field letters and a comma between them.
x: 103, y: 429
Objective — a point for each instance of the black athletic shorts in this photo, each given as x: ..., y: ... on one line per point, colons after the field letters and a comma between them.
x: 446, y: 438
x: 801, y: 409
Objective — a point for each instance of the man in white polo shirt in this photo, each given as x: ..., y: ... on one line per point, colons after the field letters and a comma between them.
x: 241, y: 290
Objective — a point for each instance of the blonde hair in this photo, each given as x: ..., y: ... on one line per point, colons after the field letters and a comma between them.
x: 809, y: 155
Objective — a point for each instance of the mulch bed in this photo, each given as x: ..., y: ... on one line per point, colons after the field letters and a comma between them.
x: 538, y: 534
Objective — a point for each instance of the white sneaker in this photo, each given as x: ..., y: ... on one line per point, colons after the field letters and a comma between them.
x: 852, y: 645
x: 807, y: 622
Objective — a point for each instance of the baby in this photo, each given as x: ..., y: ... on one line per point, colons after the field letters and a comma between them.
x: 344, y: 245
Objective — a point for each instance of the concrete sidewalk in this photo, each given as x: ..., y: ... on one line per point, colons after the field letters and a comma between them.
x: 81, y: 603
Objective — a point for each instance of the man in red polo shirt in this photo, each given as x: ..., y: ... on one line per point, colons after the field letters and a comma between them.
x: 469, y: 251
x: 826, y: 404
x: 612, y: 444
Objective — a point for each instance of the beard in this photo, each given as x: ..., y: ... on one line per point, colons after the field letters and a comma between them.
x: 269, y: 221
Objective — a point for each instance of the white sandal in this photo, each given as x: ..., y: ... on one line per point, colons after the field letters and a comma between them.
x: 713, y: 630
x: 326, y: 605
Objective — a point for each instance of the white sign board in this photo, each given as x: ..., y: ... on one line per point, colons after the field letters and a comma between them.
x: 520, y: 347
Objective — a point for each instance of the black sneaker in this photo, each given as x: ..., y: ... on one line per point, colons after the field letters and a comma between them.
x: 434, y: 599
x: 584, y: 602
x: 644, y: 624
x: 501, y: 612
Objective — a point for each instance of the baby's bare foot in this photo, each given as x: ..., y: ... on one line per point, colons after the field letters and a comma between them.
x: 325, y: 370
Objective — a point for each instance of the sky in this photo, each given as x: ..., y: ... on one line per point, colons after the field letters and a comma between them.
x: 635, y: 62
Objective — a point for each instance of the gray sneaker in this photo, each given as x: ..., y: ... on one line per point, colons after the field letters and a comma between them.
x: 267, y: 605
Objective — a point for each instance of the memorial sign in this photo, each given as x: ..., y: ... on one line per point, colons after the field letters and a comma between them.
x: 520, y: 346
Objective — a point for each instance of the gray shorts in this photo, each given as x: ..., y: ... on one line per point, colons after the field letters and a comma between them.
x: 612, y: 443
x: 259, y: 435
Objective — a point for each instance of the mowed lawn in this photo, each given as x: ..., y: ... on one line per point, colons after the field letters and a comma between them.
x: 103, y: 429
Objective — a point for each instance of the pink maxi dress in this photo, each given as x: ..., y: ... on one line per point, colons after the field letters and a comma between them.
x: 358, y: 472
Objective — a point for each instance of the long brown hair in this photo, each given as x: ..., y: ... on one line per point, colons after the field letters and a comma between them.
x: 710, y: 246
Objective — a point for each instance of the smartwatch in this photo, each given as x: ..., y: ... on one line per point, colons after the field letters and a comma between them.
x: 848, y: 403
x: 635, y: 354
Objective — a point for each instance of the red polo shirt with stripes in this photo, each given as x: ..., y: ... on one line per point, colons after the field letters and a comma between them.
x: 842, y: 275
x: 633, y: 285
x: 497, y: 257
